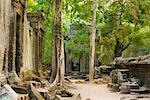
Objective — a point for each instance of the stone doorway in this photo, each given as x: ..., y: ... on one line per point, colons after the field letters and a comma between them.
x: 18, y: 58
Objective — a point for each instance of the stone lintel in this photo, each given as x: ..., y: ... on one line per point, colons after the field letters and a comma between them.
x: 37, y: 21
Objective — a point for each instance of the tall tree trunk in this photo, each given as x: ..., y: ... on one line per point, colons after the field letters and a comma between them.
x: 118, y: 49
x: 62, y: 61
x: 92, y: 42
x: 57, y: 43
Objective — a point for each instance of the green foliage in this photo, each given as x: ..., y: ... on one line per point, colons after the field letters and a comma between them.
x: 76, y: 17
x: 78, y: 44
x: 127, y: 21
x: 46, y: 7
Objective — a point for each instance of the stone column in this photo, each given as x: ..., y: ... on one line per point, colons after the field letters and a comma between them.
x: 7, y: 8
x: 13, y: 77
x: 40, y: 52
x: 2, y: 40
x: 2, y: 35
x: 33, y: 49
x: 42, y: 49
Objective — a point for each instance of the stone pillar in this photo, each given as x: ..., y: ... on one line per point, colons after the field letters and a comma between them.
x: 33, y: 49
x: 12, y: 39
x: 16, y: 38
x: 42, y: 46
x: 7, y: 7
x: 13, y: 77
x: 40, y: 52
x: 41, y: 49
x: 2, y: 37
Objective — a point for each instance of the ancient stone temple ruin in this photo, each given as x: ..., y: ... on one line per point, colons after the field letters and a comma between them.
x: 139, y: 67
x: 21, y: 39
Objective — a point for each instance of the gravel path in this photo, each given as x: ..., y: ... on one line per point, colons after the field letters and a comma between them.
x: 101, y: 92
x: 95, y: 92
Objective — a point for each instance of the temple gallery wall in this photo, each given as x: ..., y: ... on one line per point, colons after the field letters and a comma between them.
x: 21, y: 39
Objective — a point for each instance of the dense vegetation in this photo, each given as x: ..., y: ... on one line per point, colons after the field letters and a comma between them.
x: 123, y: 27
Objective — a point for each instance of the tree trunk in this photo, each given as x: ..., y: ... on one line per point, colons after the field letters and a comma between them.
x: 118, y: 49
x: 62, y: 61
x: 92, y: 43
x: 57, y: 43
x: 82, y: 63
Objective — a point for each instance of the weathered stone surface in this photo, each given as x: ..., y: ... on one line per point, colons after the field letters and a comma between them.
x: 114, y: 76
x: 7, y: 93
x: 37, y: 23
x: 2, y: 79
x: 13, y: 77
x: 27, y: 46
x: 4, y: 35
x: 115, y: 88
x: 139, y: 67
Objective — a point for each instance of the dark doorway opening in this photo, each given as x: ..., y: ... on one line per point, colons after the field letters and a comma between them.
x: 18, y: 44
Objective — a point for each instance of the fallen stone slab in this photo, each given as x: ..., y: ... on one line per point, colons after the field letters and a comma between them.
x: 141, y: 90
x: 135, y: 97
x: 127, y: 87
x: 7, y: 93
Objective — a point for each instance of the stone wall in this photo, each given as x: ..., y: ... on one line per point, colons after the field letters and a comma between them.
x: 139, y: 67
x: 21, y: 43
x: 37, y: 23
x: 141, y: 72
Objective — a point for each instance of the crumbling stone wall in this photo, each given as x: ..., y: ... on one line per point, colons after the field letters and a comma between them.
x: 141, y: 72
x: 36, y: 22
x: 21, y: 41
x: 21, y: 46
x: 139, y: 67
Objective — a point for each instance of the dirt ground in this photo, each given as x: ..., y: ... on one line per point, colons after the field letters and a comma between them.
x: 99, y: 92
